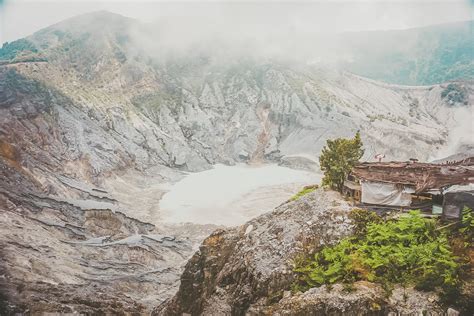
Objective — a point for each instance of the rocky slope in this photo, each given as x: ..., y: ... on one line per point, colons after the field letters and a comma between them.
x: 76, y: 254
x: 109, y: 105
x: 247, y: 270
x: 91, y: 127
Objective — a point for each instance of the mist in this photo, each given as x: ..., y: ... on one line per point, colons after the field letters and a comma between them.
x: 304, y: 32
x: 273, y: 29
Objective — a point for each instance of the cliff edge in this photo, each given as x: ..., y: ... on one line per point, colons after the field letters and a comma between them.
x: 247, y: 270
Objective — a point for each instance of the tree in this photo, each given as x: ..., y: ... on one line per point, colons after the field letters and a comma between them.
x: 338, y: 158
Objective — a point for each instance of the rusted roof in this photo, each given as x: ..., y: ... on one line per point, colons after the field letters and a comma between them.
x: 423, y: 176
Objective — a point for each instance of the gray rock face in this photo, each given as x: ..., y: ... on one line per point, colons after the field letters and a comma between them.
x: 241, y: 268
x: 192, y: 116
x: 106, y: 131
x: 367, y: 298
x: 57, y: 257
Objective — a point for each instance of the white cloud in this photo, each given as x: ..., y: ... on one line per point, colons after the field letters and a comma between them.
x: 20, y: 18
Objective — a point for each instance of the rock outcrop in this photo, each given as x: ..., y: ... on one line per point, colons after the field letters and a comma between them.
x: 363, y: 299
x: 248, y: 270
x: 240, y: 268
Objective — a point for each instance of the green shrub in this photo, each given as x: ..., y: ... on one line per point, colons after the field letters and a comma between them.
x: 338, y: 158
x: 407, y: 251
x: 467, y: 224
x: 361, y: 219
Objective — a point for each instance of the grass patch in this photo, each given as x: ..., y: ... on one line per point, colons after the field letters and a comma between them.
x: 307, y: 189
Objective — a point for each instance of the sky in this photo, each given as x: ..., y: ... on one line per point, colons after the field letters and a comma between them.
x: 20, y: 18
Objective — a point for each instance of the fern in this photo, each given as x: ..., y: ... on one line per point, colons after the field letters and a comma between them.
x: 409, y: 251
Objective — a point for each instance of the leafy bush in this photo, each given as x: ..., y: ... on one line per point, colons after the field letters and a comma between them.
x: 361, y: 219
x: 407, y: 251
x: 467, y: 224
x: 304, y: 191
x: 338, y: 158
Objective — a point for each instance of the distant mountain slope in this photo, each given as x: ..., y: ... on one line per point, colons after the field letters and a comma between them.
x: 427, y: 55
x: 191, y: 112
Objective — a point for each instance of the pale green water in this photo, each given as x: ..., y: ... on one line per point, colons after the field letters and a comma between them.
x: 231, y: 195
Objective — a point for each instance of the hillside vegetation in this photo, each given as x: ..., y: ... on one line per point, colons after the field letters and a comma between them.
x: 410, y: 250
x: 418, y: 56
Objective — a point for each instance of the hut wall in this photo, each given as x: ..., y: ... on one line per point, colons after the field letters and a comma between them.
x: 384, y: 194
x: 454, y: 202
